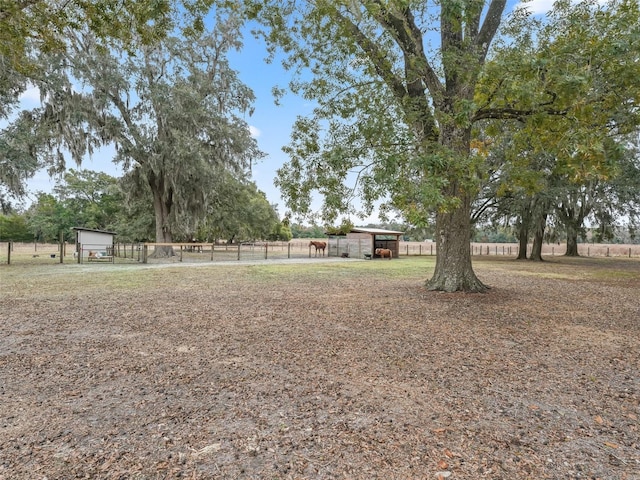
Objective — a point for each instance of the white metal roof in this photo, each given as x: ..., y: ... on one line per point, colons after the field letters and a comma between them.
x: 93, y: 230
x: 375, y: 231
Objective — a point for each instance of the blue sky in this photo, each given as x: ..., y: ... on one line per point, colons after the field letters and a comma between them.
x: 271, y: 124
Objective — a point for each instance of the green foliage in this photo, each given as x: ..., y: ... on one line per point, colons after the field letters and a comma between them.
x: 174, y: 110
x: 14, y: 228
x: 240, y: 212
x: 281, y: 232
x: 35, y: 38
x: 302, y: 231
x: 42, y: 25
x: 47, y: 217
x: 499, y: 235
x: 93, y: 199
x: 21, y: 153
x: 345, y: 227
x: 572, y: 84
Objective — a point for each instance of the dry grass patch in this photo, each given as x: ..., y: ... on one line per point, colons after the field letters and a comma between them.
x: 325, y: 370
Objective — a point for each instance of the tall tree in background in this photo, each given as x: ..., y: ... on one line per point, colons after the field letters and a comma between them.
x: 94, y: 198
x: 35, y: 30
x: 582, y: 68
x: 174, y: 111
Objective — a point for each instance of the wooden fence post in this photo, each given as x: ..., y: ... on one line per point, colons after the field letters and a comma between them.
x: 9, y: 248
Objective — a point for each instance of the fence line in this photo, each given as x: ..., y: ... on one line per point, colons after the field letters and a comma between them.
x: 30, y: 253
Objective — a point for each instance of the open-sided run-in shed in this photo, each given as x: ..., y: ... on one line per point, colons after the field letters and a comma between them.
x: 363, y: 241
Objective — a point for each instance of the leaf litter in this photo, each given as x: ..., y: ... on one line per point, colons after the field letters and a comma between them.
x: 355, y: 376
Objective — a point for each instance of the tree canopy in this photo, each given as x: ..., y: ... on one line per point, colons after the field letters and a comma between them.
x: 401, y: 86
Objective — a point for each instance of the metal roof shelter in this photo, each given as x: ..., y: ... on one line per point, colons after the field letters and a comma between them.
x: 364, y: 241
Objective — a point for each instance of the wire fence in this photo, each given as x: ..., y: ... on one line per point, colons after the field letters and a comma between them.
x: 50, y: 254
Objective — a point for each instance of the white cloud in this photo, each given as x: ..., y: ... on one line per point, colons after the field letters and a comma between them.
x: 255, y: 132
x: 31, y: 94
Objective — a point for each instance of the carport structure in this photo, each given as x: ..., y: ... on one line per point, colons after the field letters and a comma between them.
x: 363, y: 241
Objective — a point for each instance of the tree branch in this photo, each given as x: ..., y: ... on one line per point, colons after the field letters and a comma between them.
x: 508, y: 113
x: 379, y: 60
x: 490, y: 26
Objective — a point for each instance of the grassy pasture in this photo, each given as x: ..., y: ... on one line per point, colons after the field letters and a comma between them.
x: 324, y: 369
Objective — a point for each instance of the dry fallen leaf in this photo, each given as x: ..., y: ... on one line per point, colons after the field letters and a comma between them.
x: 448, y: 453
x: 598, y: 419
x: 442, y: 465
x: 611, y: 445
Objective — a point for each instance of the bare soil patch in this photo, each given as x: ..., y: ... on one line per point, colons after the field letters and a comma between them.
x: 321, y: 371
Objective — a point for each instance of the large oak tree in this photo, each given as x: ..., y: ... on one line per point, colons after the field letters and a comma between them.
x: 175, y: 111
x: 395, y: 83
x: 399, y: 86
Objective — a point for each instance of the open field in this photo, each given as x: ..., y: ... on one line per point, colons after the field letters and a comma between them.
x: 325, y: 370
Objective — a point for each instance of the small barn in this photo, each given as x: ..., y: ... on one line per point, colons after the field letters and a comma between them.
x: 363, y: 242
x: 93, y: 244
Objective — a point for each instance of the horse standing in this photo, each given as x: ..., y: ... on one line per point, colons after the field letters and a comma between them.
x: 384, y: 252
x: 319, y: 246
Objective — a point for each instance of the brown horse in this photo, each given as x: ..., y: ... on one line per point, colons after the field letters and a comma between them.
x: 384, y: 252
x: 319, y: 246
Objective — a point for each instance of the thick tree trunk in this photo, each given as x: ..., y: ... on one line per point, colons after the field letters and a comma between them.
x: 454, y: 271
x: 536, y: 251
x: 162, y: 210
x: 572, y: 241
x: 523, y: 240
x: 538, y: 238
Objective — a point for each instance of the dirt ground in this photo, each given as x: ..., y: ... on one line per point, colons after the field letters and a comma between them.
x: 335, y: 371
